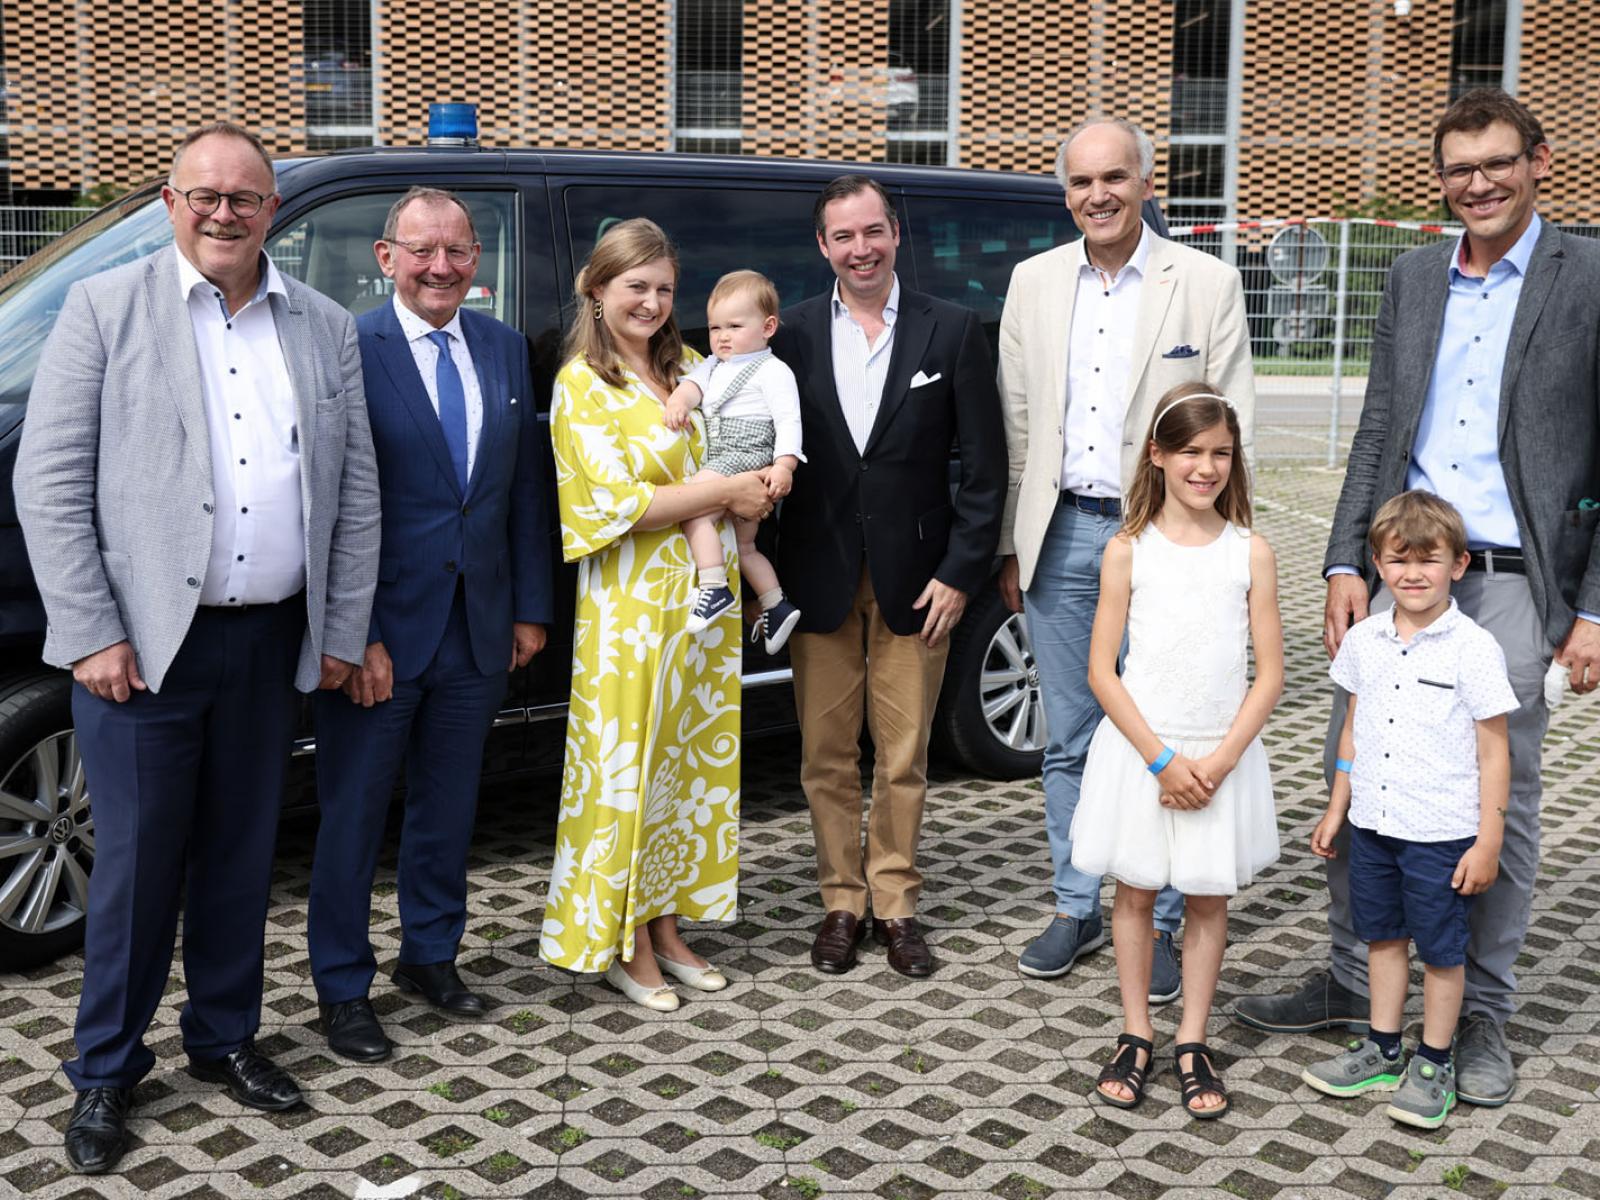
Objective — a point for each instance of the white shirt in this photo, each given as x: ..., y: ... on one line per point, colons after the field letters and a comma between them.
x: 861, y: 367
x: 426, y: 356
x: 770, y: 394
x: 1099, y: 358
x: 258, y: 553
x: 1415, y: 774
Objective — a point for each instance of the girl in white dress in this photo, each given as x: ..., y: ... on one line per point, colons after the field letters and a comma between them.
x: 1176, y: 788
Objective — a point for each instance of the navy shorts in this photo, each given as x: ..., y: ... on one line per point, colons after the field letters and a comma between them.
x: 1401, y: 889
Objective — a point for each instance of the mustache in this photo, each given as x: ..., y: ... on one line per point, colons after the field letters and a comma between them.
x: 223, y: 227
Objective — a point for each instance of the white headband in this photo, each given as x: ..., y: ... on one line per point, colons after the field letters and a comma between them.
x: 1180, y: 400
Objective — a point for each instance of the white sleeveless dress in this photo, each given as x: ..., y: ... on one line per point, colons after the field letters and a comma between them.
x: 1188, y: 631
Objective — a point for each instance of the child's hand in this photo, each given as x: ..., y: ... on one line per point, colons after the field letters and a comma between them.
x: 1183, y: 781
x: 676, y: 415
x: 1216, y: 767
x: 1322, y: 836
x: 780, y: 479
x: 1477, y: 869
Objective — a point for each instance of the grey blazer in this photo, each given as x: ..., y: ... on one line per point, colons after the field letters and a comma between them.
x: 1549, y: 416
x: 113, y: 476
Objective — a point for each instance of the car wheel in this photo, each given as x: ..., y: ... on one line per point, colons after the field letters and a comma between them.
x: 46, y: 828
x: 992, y: 712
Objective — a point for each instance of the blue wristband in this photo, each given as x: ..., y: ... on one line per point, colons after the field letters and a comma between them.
x: 1343, y: 764
x: 1167, y: 754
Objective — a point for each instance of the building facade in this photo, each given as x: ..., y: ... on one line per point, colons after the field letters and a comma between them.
x: 1261, y: 110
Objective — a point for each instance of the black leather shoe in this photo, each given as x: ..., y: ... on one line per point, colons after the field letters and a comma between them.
x: 354, y: 1031
x: 250, y: 1077
x: 908, y: 952
x: 97, y: 1134
x: 441, y: 987
x: 1319, y: 1003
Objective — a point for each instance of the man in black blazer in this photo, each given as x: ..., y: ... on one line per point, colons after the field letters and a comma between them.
x: 878, y: 554
x: 1483, y: 389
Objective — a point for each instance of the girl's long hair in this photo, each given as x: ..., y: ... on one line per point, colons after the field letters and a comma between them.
x: 1180, y: 416
x: 626, y: 245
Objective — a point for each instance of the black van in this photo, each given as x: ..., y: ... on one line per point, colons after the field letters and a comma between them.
x: 538, y: 214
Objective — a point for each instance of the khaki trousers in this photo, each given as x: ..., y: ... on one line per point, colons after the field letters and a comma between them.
x: 864, y: 668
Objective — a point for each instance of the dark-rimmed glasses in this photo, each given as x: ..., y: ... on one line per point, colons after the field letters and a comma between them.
x: 1458, y: 175
x: 205, y: 201
x: 458, y: 256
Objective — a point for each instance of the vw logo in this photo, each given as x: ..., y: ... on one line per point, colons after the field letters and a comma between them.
x: 60, y: 830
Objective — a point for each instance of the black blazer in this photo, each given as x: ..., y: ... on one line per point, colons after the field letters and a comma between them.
x: 893, y: 503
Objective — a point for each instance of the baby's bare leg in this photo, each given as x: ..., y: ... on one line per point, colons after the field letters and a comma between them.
x: 704, y: 543
x: 753, y: 565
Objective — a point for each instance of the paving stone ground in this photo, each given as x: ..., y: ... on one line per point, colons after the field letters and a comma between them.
x: 790, y: 1084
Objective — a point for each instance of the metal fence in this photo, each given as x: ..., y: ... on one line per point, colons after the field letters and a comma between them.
x: 23, y: 231
x: 1312, y: 290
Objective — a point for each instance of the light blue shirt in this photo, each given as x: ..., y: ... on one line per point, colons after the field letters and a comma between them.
x: 1456, y: 454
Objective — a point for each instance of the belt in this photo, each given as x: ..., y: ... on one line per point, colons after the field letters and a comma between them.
x: 1506, y: 561
x: 1099, y: 505
x: 298, y: 598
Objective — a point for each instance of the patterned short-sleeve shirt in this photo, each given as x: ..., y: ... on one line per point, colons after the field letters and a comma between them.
x: 1415, y: 775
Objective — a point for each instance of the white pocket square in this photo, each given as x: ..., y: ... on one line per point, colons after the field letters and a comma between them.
x: 919, y: 379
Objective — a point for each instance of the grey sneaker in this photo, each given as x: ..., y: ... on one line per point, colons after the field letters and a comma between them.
x: 1064, y: 942
x: 1166, y: 980
x: 1321, y: 1002
x: 1483, y: 1063
x: 1361, y: 1068
x: 1426, y: 1095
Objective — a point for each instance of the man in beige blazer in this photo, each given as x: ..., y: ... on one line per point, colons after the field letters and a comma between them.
x: 1094, y: 333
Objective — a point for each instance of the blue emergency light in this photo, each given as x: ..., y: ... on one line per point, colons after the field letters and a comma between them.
x: 452, y: 124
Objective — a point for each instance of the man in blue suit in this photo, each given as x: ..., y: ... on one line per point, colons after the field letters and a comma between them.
x: 464, y: 592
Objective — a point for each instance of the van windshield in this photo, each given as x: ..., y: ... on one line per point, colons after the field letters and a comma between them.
x: 32, y: 294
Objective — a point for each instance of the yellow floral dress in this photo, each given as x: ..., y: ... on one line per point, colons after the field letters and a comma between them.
x: 649, y: 820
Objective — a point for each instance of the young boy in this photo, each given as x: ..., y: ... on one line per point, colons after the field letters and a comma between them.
x: 752, y: 415
x: 1424, y: 775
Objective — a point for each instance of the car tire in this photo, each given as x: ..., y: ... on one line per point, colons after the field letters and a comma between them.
x: 46, y: 828
x: 991, y: 712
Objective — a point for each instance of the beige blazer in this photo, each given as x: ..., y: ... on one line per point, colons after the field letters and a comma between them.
x: 1188, y: 298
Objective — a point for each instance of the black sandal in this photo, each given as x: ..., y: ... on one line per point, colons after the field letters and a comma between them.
x: 1124, y: 1068
x: 1202, y: 1080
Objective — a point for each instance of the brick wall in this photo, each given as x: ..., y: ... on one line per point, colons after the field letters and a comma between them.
x: 1559, y: 68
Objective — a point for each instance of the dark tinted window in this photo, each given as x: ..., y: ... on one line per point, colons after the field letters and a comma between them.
x: 717, y: 229
x: 965, y: 248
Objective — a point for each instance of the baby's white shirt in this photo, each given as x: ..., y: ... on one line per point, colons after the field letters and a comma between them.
x: 771, y: 394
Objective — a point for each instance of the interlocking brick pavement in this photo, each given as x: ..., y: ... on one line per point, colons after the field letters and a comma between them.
x: 795, y: 1085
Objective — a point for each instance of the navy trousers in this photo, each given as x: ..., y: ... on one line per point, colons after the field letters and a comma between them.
x: 437, y: 724
x: 186, y: 786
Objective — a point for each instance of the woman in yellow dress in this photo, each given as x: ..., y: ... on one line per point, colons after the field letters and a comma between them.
x: 649, y: 823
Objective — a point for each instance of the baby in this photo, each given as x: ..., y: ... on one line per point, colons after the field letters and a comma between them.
x: 752, y: 417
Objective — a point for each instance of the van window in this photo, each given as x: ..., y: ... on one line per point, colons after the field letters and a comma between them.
x: 717, y: 229
x: 330, y: 248
x: 965, y: 248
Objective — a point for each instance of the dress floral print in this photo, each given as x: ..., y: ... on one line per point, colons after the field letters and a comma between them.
x: 649, y: 820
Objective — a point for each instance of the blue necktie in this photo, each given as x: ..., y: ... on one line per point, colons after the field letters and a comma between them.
x: 452, y: 406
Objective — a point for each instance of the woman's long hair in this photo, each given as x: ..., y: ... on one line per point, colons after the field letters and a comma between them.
x: 1181, y: 415
x: 626, y: 245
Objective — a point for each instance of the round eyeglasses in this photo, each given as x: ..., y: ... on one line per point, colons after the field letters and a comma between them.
x: 205, y: 201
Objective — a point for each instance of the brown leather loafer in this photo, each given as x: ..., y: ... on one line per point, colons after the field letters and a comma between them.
x: 908, y: 953
x: 834, y: 951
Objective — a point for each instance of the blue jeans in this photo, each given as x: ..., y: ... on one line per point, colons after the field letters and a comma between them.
x: 1060, y: 607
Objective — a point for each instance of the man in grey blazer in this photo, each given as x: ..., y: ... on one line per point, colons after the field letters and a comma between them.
x: 1484, y: 389
x: 198, y: 492
x: 1094, y: 333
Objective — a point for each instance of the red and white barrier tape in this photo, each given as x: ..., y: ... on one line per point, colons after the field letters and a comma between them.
x: 1238, y: 226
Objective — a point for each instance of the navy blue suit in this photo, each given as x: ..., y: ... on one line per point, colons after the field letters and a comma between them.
x: 455, y: 571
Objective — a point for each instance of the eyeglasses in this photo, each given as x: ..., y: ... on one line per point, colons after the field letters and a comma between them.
x: 458, y: 256
x: 206, y: 201
x: 1459, y: 175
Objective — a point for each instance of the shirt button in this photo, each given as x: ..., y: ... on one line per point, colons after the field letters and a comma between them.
x: 1476, y: 338
x: 192, y: 581
x: 233, y: 599
x: 235, y: 371
x: 1092, y: 408
x: 241, y: 462
x: 240, y: 558
x: 1091, y: 449
x: 1469, y: 383
x: 1462, y: 421
x: 206, y: 507
x: 230, y: 324
x: 244, y: 510
x: 1453, y: 466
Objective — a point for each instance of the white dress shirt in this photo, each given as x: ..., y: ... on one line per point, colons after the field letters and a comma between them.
x: 258, y: 553
x: 1415, y: 775
x: 426, y: 355
x: 770, y: 394
x: 860, y: 367
x: 1099, y: 357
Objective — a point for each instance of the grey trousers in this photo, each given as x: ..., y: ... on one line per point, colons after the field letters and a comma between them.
x: 1503, y: 605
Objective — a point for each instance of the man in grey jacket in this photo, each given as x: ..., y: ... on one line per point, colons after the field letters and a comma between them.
x: 1483, y: 389
x: 197, y: 487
